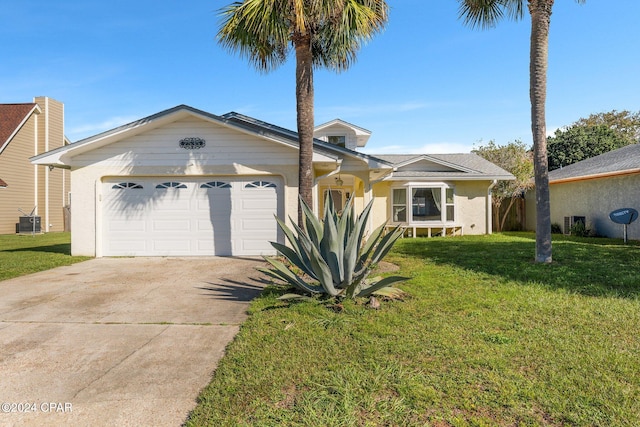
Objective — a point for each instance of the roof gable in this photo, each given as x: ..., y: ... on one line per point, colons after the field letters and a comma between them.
x: 444, y: 166
x: 12, y: 118
x: 61, y: 156
x: 616, y: 162
x: 362, y: 135
x: 428, y: 163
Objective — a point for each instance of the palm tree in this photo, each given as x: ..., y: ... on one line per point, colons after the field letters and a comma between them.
x: 322, y: 33
x: 485, y: 14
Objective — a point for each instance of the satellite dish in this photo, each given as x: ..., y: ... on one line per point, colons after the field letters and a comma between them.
x: 624, y: 215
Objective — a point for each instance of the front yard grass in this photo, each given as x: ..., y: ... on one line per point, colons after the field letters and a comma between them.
x: 26, y: 254
x: 487, y: 338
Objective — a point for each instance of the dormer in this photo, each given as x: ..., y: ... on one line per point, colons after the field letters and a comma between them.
x: 343, y: 134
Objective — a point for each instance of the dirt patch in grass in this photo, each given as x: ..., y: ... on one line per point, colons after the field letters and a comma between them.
x: 386, y: 267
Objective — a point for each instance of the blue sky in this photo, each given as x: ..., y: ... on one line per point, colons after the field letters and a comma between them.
x: 427, y: 84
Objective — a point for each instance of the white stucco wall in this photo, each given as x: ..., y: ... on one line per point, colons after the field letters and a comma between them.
x: 595, y: 199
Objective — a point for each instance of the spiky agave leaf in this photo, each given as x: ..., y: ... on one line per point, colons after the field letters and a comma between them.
x: 380, y: 284
x: 332, y: 253
x: 294, y: 257
x: 385, y: 245
x: 313, y: 226
x: 281, y: 272
x: 390, y: 292
x: 295, y: 245
x: 289, y: 297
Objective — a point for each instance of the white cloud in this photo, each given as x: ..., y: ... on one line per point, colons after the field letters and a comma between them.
x: 441, y: 148
x: 87, y: 129
x: 428, y: 148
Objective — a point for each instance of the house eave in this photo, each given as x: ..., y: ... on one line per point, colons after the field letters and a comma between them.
x: 427, y: 178
x: 594, y: 176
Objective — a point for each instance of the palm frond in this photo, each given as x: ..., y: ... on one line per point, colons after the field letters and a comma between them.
x: 487, y: 13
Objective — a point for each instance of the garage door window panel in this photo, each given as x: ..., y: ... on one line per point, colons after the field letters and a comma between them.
x: 215, y: 184
x: 260, y: 184
x: 125, y: 185
x: 171, y: 185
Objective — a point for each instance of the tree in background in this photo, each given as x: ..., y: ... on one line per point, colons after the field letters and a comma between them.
x: 515, y: 158
x: 486, y: 14
x: 322, y: 33
x: 580, y: 142
x: 624, y: 123
x: 592, y: 136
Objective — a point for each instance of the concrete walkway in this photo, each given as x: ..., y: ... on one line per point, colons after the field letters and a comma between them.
x: 118, y: 341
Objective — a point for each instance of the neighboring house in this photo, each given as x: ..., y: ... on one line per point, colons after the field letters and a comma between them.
x: 186, y: 182
x: 592, y: 189
x: 26, y: 130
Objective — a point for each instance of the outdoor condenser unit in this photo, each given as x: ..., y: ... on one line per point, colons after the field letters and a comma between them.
x: 569, y: 221
x: 26, y: 224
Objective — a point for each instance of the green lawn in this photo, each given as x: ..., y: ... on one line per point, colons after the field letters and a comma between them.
x: 25, y: 254
x: 487, y: 338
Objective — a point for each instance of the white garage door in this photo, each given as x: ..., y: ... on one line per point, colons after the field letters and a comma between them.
x: 176, y: 217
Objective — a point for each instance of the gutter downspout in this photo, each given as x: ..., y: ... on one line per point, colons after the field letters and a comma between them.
x: 490, y: 207
x: 369, y: 190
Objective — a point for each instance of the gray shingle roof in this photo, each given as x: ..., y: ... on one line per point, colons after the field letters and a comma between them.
x: 468, y: 165
x: 620, y: 160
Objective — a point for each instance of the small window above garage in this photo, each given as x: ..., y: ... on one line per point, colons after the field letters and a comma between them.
x: 124, y: 185
x: 215, y: 184
x: 171, y: 184
x: 260, y: 184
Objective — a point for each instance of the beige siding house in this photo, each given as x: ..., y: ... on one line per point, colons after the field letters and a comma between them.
x: 186, y: 182
x: 26, y: 130
x: 592, y: 189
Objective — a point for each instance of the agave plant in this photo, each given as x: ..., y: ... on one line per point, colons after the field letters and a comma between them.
x: 330, y: 256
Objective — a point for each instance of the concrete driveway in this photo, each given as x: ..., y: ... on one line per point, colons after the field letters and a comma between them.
x: 118, y: 341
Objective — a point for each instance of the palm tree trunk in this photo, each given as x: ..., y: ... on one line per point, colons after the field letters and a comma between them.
x: 304, y: 109
x: 540, y: 11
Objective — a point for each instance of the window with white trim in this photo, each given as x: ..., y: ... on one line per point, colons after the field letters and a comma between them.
x: 423, y: 203
x: 339, y: 140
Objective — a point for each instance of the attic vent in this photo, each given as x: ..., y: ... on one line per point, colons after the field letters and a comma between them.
x: 192, y: 143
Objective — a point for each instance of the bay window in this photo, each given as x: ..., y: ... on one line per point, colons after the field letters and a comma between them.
x: 423, y: 203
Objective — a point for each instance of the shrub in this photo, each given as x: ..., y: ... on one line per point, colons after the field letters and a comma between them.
x: 578, y: 229
x: 556, y: 228
x: 332, y: 253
